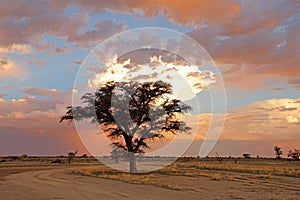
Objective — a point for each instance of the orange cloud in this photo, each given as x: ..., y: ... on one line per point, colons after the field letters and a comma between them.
x: 62, y: 49
x: 191, y: 13
x: 269, y: 53
x: 294, y: 82
x: 274, y: 119
x: 235, y: 17
x: 9, y: 69
x: 29, y: 117
x: 257, y: 40
x: 77, y: 62
x: 40, y: 91
x: 35, y: 122
x: 16, y: 48
x: 2, y: 95
x: 27, y: 26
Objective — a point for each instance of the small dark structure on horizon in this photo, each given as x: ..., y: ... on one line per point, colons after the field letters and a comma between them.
x: 71, y: 156
x: 278, y: 152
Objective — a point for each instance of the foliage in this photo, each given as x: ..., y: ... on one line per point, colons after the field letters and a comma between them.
x: 294, y: 154
x: 278, y: 152
x: 247, y: 155
x: 71, y: 156
x: 131, y: 113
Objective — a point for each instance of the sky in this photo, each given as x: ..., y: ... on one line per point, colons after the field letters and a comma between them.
x: 255, y: 46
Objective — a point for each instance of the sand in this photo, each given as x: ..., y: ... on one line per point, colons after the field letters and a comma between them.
x: 61, y: 183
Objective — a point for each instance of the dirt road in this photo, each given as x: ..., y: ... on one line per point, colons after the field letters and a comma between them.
x: 62, y: 184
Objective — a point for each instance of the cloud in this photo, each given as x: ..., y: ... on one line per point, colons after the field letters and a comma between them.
x: 182, y: 77
x: 280, y: 109
x: 7, y: 86
x: 30, y: 103
x: 16, y: 48
x: 22, y: 25
x: 78, y: 62
x: 270, y: 52
x: 41, y: 62
x: 35, y: 121
x: 251, y: 39
x: 102, y: 30
x: 34, y: 115
x: 277, y: 89
x: 263, y: 125
x: 294, y: 82
x: 40, y: 91
x: 4, y: 63
x: 177, y: 11
x: 236, y: 17
x: 292, y: 119
x: 257, y: 40
x: 254, y: 39
x: 38, y: 62
x: 62, y: 49
x: 279, y: 120
x: 9, y: 69
x: 2, y: 95
x: 190, y: 13
x: 43, y: 45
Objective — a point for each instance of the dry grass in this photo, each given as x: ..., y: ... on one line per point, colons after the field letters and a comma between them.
x: 272, y: 167
x: 146, y: 179
x: 245, y: 172
x: 186, y: 167
x: 216, y: 177
x: 265, y: 168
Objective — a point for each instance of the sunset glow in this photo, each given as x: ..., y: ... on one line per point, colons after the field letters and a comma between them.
x: 254, y: 45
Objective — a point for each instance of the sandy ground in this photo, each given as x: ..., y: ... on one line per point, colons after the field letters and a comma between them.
x: 62, y: 184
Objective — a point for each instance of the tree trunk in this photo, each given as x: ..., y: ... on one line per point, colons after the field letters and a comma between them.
x: 132, y: 162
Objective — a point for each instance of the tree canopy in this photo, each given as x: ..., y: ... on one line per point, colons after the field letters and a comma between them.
x: 278, y: 152
x: 131, y: 113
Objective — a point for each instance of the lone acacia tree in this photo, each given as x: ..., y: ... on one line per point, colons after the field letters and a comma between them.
x: 71, y: 156
x: 294, y: 154
x: 131, y: 113
x: 278, y: 152
x: 246, y: 155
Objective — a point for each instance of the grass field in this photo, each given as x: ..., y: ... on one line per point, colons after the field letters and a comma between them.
x: 248, y: 172
x: 208, y: 167
x: 183, y: 166
x: 237, y: 178
x: 195, y: 167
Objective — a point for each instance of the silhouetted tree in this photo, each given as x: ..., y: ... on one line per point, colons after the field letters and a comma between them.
x: 71, y: 156
x: 247, y: 155
x: 220, y: 159
x: 132, y: 113
x: 278, y: 152
x: 24, y: 156
x: 294, y: 154
x: 84, y: 156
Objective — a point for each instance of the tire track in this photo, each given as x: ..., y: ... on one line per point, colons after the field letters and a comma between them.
x: 62, y: 184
